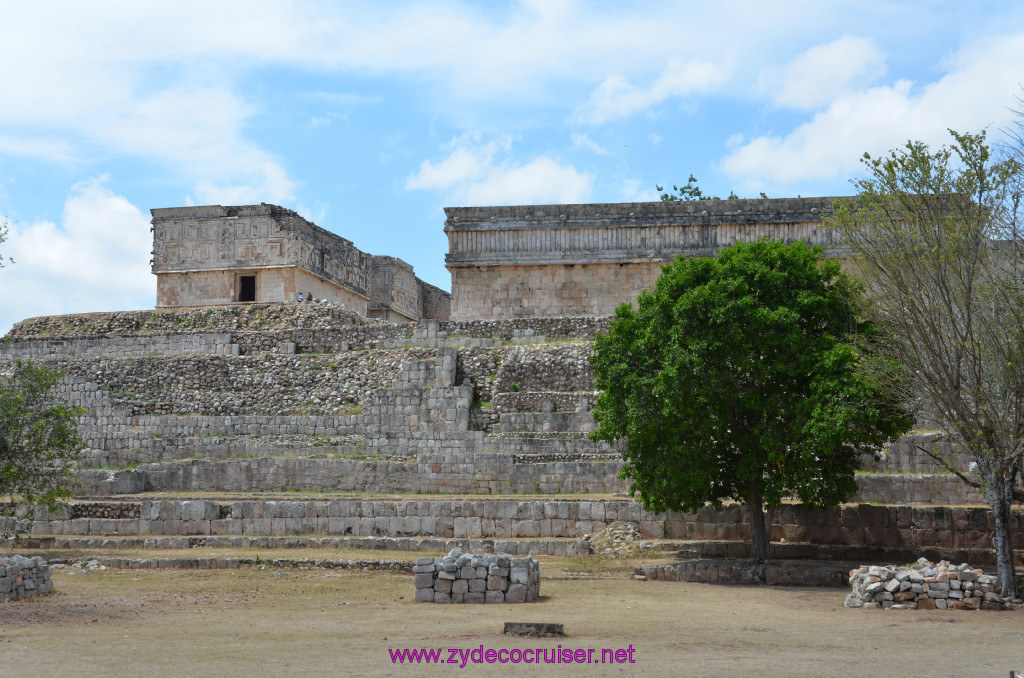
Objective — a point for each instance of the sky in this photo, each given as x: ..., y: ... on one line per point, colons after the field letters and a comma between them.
x: 368, y: 118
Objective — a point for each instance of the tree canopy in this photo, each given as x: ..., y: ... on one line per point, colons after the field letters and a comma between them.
x: 38, y: 438
x: 937, y: 239
x: 736, y: 378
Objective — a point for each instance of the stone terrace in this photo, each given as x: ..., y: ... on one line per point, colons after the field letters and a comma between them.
x: 458, y: 419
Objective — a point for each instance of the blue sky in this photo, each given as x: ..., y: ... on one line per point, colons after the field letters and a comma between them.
x: 368, y: 118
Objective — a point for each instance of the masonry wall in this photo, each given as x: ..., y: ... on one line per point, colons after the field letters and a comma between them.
x: 199, y: 254
x: 855, y: 525
x: 551, y: 260
x: 548, y: 290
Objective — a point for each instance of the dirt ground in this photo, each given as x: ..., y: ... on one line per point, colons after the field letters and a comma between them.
x: 252, y: 622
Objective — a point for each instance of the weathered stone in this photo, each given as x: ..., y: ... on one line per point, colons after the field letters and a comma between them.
x: 516, y: 593
x: 534, y: 629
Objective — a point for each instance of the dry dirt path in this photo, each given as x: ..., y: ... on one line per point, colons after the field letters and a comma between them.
x: 253, y: 622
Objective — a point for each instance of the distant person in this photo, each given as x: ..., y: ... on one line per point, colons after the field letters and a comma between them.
x: 309, y: 296
x: 300, y: 297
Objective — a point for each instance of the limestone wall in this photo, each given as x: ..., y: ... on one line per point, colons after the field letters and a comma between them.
x: 200, y: 255
x: 965, y: 528
x: 548, y: 290
x: 265, y: 384
x: 426, y: 473
x: 155, y: 344
x: 555, y: 260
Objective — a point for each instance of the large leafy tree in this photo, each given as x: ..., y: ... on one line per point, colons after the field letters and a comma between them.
x: 938, y: 242
x: 38, y: 437
x: 738, y: 378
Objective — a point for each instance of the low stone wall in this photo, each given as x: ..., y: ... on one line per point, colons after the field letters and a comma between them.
x: 862, y: 525
x: 232, y: 317
x: 477, y: 578
x: 564, y: 327
x: 744, y: 573
x: 120, y: 347
x: 427, y: 473
x: 934, y: 488
x: 523, y: 547
x: 22, y: 577
x: 926, y: 586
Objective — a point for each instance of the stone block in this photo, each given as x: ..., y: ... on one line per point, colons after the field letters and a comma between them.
x: 519, y: 575
x: 497, y: 583
x: 423, y: 580
x: 477, y: 585
x: 494, y: 597
x: 516, y: 593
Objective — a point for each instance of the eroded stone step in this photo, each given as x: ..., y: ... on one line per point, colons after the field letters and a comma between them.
x: 550, y: 547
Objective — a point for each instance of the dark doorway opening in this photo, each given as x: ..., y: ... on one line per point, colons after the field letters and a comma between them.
x: 247, y: 288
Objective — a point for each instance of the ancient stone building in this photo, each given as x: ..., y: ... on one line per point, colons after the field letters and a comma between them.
x: 566, y: 260
x: 256, y: 253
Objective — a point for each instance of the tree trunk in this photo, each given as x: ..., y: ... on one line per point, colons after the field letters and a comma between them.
x: 999, y: 492
x: 760, y: 526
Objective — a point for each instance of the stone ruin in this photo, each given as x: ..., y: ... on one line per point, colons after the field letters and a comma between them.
x: 22, y: 577
x: 470, y: 432
x: 477, y: 578
x: 926, y: 586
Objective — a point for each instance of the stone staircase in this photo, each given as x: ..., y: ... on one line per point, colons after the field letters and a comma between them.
x: 406, y: 437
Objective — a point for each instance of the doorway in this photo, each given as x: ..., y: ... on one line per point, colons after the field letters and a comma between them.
x: 247, y: 288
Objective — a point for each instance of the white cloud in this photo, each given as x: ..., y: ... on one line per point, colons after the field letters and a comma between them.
x: 55, y: 150
x: 97, y: 259
x: 617, y: 98
x: 584, y: 141
x: 824, y: 72
x: 472, y: 175
x: 976, y: 92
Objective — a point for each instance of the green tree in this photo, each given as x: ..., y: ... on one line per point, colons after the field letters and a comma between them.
x: 691, y: 191
x: 737, y: 378
x: 38, y: 438
x: 938, y: 242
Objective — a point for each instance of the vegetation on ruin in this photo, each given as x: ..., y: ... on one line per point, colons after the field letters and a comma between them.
x: 938, y: 242
x: 691, y: 191
x: 3, y: 238
x: 38, y: 438
x: 738, y: 378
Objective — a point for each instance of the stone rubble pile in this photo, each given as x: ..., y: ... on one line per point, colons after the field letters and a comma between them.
x: 926, y: 586
x: 477, y: 578
x: 22, y: 577
x: 618, y: 540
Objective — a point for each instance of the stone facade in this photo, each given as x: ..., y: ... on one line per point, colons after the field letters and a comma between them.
x: 216, y: 255
x: 567, y: 260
